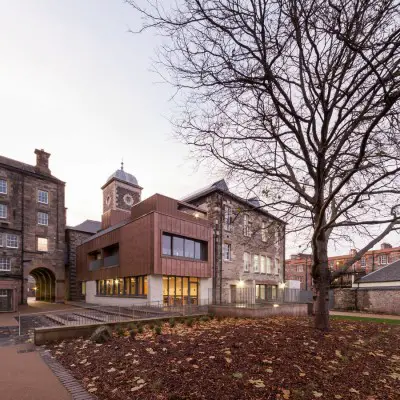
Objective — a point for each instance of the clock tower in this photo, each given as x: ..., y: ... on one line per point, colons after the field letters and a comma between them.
x: 120, y: 192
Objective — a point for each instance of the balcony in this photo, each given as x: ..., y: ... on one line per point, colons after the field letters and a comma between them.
x: 111, y: 261
x: 95, y: 264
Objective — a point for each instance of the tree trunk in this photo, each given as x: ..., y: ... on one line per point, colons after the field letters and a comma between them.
x: 321, y: 284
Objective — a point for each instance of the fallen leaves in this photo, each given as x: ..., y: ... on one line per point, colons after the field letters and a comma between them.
x: 258, y: 383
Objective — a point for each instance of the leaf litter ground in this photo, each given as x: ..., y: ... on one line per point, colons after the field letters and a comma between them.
x: 274, y: 358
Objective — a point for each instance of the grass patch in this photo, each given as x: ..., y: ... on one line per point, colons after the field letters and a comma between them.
x: 366, y: 319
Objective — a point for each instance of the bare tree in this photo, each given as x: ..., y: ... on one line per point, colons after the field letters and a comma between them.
x: 300, y: 97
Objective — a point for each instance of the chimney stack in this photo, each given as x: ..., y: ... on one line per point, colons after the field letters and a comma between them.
x: 42, y: 161
x: 386, y: 246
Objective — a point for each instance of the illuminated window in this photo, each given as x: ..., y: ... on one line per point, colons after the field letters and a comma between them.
x: 255, y: 263
x: 246, y: 261
x: 42, y: 244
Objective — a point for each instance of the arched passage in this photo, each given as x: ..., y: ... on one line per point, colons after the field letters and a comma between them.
x: 45, y: 284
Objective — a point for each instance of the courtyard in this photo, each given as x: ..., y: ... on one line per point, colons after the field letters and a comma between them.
x: 226, y: 358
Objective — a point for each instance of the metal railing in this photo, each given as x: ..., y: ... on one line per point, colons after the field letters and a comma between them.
x: 110, y: 261
x: 253, y: 297
x: 94, y: 314
x: 95, y: 264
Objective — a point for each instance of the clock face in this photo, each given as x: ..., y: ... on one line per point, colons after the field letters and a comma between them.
x: 128, y: 199
x: 108, y: 200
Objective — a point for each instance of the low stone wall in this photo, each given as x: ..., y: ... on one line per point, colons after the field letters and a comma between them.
x: 385, y: 301
x: 295, y: 310
x: 344, y: 299
x: 57, y: 333
x: 374, y: 300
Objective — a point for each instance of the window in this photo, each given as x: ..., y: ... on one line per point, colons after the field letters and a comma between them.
x: 246, y: 226
x: 178, y: 246
x: 363, y: 262
x: 130, y: 286
x: 299, y: 268
x: 2, y: 238
x: 227, y: 218
x: 269, y: 265
x: 166, y: 245
x: 383, y: 259
x: 262, y: 266
x: 43, y: 218
x: 12, y: 241
x: 276, y: 266
x: 5, y: 264
x: 3, y: 186
x: 3, y: 211
x: 255, y: 263
x: 264, y: 232
x: 43, y: 197
x: 42, y: 244
x: 246, y: 261
x: 3, y: 292
x: 227, y: 251
x: 183, y: 247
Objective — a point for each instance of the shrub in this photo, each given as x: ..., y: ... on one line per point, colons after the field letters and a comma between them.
x: 157, y: 330
x: 172, y: 322
x: 151, y: 326
x: 211, y: 316
x: 120, y: 331
x: 140, y: 329
x: 102, y: 334
x: 189, y: 321
x: 204, y: 318
x: 133, y: 333
x: 131, y: 326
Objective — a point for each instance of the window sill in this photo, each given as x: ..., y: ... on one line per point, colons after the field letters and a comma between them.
x: 183, y: 258
x: 122, y: 296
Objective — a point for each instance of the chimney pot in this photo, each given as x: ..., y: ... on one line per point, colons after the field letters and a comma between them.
x: 386, y: 246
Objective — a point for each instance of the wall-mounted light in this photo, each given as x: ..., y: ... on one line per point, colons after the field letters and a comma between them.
x: 276, y: 305
x: 196, y: 215
x: 241, y: 283
x: 282, y: 285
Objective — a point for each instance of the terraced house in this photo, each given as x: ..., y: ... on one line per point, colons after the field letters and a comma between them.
x: 32, y: 231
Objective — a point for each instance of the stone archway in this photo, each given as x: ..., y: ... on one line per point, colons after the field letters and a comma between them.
x: 45, y: 284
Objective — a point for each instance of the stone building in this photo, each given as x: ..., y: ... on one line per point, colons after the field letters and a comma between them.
x: 299, y: 265
x: 75, y: 236
x: 32, y: 231
x: 249, y: 245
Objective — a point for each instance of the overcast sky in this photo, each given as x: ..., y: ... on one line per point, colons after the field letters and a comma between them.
x: 76, y: 83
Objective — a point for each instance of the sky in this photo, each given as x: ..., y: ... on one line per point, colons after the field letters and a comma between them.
x: 75, y: 82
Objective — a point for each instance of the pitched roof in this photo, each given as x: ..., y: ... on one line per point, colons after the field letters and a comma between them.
x: 389, y: 273
x: 89, y: 226
x: 221, y: 186
x: 109, y: 229
x: 30, y: 169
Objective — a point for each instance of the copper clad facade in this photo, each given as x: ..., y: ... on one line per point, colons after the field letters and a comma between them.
x: 139, y: 241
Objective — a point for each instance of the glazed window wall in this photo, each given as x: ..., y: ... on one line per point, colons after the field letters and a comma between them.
x: 178, y: 246
x: 266, y: 292
x: 130, y: 286
x: 180, y: 290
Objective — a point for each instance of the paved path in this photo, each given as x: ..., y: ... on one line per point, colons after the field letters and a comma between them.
x: 10, y: 319
x: 364, y: 315
x: 25, y: 376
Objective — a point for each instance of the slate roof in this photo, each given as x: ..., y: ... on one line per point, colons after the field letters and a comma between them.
x: 222, y: 187
x: 389, y: 273
x: 30, y: 169
x: 89, y: 226
x: 109, y: 229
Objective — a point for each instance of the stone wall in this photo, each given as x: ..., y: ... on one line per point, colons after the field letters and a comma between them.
x: 74, y: 239
x: 23, y: 182
x: 374, y: 300
x: 232, y: 272
x: 386, y: 301
x: 344, y: 299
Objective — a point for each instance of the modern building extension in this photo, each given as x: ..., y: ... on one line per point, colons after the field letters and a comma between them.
x: 32, y: 231
x: 157, y: 250
x: 249, y: 244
